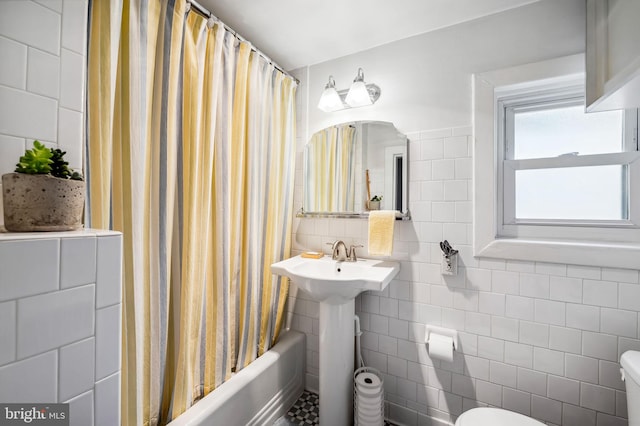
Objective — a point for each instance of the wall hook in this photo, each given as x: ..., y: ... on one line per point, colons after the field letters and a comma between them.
x: 449, y: 259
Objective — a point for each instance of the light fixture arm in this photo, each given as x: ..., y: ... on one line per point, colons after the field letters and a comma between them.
x: 331, y: 83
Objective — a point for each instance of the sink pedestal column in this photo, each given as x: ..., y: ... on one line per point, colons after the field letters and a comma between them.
x: 336, y: 363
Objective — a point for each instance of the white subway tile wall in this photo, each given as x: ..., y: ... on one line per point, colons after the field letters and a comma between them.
x: 40, y: 371
x: 43, y: 73
x: 108, y: 341
x: 60, y: 323
x: 32, y: 24
x: 24, y: 279
x: 7, y: 332
x: 107, y: 400
x: 51, y: 320
x: 72, y: 80
x: 77, y: 368
x: 108, y: 269
x: 43, y: 55
x: 541, y: 339
x: 82, y: 408
x: 28, y: 115
x: 78, y: 262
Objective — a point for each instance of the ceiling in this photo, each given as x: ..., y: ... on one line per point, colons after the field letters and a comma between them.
x: 294, y: 33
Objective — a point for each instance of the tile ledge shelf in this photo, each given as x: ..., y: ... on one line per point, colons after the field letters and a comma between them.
x: 88, y: 232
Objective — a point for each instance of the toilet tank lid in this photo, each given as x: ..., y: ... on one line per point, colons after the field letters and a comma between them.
x: 630, y: 361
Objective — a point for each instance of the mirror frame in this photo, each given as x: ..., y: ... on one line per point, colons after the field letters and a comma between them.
x: 403, y: 214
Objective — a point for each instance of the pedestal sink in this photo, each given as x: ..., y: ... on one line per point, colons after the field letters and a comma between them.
x: 335, y: 285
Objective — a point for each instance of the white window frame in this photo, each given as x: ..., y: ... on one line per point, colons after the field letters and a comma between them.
x: 508, y: 224
x: 598, y: 243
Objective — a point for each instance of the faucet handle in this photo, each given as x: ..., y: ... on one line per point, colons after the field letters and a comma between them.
x: 352, y: 252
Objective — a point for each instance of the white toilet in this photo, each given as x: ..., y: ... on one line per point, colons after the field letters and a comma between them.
x: 630, y: 362
x: 487, y: 416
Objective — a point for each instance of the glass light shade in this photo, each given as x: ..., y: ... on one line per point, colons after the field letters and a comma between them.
x: 330, y: 100
x: 358, y: 95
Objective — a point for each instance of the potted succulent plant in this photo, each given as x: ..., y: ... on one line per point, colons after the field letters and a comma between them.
x: 43, y: 194
x: 374, y: 204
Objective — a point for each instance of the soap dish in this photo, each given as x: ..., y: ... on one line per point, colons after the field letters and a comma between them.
x: 312, y: 255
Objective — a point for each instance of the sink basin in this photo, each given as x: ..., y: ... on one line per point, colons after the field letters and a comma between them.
x: 335, y: 286
x: 330, y: 281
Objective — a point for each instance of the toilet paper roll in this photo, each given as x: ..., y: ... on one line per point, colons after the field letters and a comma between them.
x: 366, y: 423
x: 368, y: 384
x: 371, y: 415
x: 370, y: 420
x: 367, y: 403
x: 440, y: 347
x: 370, y: 410
x: 368, y: 395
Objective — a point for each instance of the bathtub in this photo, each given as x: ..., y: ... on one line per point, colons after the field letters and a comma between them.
x: 260, y: 393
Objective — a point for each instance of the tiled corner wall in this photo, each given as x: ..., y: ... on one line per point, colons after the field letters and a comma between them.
x: 541, y: 339
x: 60, y: 325
x: 42, y: 77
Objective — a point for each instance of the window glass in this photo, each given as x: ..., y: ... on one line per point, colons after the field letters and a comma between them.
x: 555, y: 131
x: 572, y: 193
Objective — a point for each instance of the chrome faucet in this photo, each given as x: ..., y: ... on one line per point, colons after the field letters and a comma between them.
x: 340, y: 252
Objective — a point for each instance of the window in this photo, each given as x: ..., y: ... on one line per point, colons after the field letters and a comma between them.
x: 552, y: 183
x: 559, y: 166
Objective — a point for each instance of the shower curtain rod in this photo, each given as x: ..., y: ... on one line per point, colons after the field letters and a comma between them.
x: 201, y: 9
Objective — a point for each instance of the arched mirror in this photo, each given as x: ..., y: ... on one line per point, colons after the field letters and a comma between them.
x: 353, y: 168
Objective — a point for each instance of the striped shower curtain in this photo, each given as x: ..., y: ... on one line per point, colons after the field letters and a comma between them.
x: 190, y: 153
x: 330, y: 168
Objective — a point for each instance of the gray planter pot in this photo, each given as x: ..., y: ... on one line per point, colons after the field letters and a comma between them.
x: 42, y: 203
x: 374, y: 205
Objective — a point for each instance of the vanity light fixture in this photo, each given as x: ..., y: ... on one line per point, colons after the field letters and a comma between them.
x: 330, y: 100
x: 359, y: 94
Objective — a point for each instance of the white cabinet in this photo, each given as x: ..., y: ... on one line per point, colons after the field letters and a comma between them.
x: 613, y: 54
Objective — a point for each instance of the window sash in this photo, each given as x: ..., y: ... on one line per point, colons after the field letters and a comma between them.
x: 629, y: 159
x: 509, y: 107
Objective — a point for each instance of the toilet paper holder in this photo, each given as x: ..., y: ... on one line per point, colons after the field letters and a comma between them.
x: 443, y: 332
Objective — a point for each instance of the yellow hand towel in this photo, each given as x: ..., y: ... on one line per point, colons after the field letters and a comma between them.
x: 381, y: 224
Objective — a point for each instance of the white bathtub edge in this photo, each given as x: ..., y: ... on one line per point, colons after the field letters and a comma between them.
x: 281, y: 402
x: 219, y: 406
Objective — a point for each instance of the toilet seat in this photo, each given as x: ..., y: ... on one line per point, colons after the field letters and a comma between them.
x: 487, y: 416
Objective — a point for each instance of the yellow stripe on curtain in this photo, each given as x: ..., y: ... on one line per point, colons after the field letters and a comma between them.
x: 238, y: 190
x: 102, y: 66
x: 190, y: 148
x: 196, y: 193
x: 214, y: 276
